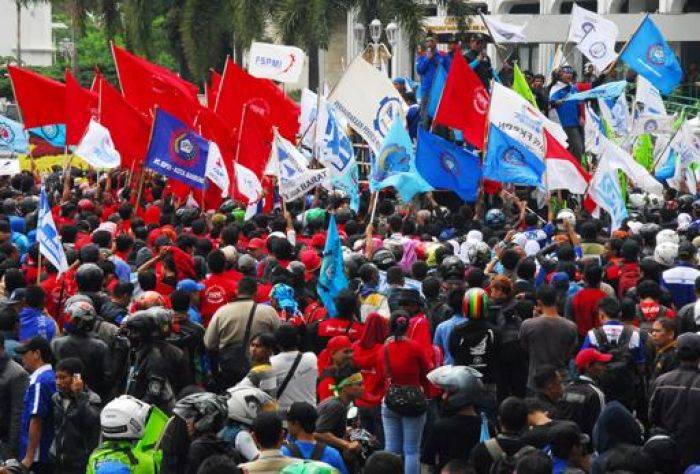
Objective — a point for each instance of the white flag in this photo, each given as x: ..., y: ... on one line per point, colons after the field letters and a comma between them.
x: 592, y: 131
x: 686, y: 145
x: 619, y: 159
x: 606, y: 193
x: 654, y: 124
x: 46, y: 234
x: 368, y: 100
x: 617, y: 116
x: 216, y: 169
x: 503, y: 32
x: 275, y: 61
x: 97, y: 147
x: 648, y: 98
x: 594, y: 36
x: 521, y: 120
x: 295, y: 178
x: 308, y: 116
x: 247, y: 183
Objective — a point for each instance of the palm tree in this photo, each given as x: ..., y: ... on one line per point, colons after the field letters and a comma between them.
x: 206, y: 35
x: 249, y: 18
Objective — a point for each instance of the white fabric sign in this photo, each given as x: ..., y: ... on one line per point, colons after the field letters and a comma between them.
x: 503, y: 32
x: 97, y: 147
x: 275, y: 61
x: 216, y: 169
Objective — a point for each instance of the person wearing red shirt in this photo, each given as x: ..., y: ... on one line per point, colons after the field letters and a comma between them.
x: 343, y: 324
x: 403, y: 362
x: 584, y: 304
x: 337, y: 354
x: 366, y: 352
x: 219, y: 289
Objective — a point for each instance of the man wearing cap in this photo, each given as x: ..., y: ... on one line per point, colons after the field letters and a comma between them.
x: 569, y: 449
x: 568, y: 110
x: 478, y: 59
x: 675, y: 399
x: 680, y: 280
x: 192, y: 288
x: 582, y: 400
x: 36, y: 429
x: 301, y: 424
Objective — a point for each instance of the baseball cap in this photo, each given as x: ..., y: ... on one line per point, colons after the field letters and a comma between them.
x: 587, y: 356
x: 256, y: 244
x: 688, y: 345
x: 189, y: 285
x: 338, y: 343
x: 37, y: 343
x: 302, y: 412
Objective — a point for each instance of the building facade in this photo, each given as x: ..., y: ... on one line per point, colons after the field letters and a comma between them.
x: 36, y: 32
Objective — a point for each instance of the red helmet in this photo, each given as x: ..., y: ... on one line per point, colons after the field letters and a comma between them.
x: 86, y: 205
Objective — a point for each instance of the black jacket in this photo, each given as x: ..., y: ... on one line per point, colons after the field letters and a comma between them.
x: 113, y: 312
x: 473, y: 343
x: 93, y: 353
x: 157, y: 374
x: 675, y: 407
x: 582, y: 402
x: 77, y: 430
x: 687, y: 321
x: 13, y: 383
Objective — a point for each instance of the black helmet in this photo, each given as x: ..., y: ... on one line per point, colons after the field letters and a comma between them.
x: 89, y: 277
x: 151, y: 323
x: 495, y: 219
x: 227, y: 206
x: 29, y: 204
x: 383, y: 259
x: 207, y: 411
x: 451, y: 268
x: 685, y: 202
x: 648, y: 232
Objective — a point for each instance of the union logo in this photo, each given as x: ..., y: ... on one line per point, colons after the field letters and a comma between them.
x: 597, y: 50
x: 449, y: 164
x: 656, y: 54
x: 259, y: 105
x: 50, y: 131
x: 481, y: 100
x: 388, y: 107
x: 513, y: 156
x: 185, y: 148
x: 651, y: 126
x: 7, y: 136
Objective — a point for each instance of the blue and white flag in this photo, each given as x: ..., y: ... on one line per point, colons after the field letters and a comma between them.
x: 13, y: 139
x: 335, y: 152
x: 52, y: 134
x: 46, y: 234
x: 395, y: 164
x: 606, y: 192
x: 648, y: 53
x: 332, y: 278
x: 97, y: 147
x: 436, y: 90
x: 510, y: 161
x: 593, y: 130
x: 290, y: 166
x: 445, y: 165
x: 609, y: 90
x: 616, y: 114
x: 177, y: 152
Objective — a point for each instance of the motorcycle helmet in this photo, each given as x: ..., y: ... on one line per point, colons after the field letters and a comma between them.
x: 29, y: 204
x: 149, y: 324
x: 665, y: 253
x: 637, y: 201
x: 667, y: 235
x: 566, y: 215
x: 451, y: 268
x: 685, y: 202
x: 475, y: 303
x: 207, y: 411
x: 244, y: 404
x: 462, y: 385
x: 227, y: 206
x: 479, y: 254
x: 124, y: 418
x: 81, y: 314
x: 89, y: 277
x: 648, y: 231
x: 495, y: 219
x: 654, y: 201
x: 383, y: 259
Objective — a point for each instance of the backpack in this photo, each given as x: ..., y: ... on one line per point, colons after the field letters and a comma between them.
x: 510, y: 348
x: 629, y: 275
x: 316, y: 454
x: 619, y: 379
x: 472, y: 347
x: 504, y: 463
x: 233, y: 360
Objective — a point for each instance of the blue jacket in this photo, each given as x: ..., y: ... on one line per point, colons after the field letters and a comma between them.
x: 427, y: 69
x: 680, y: 282
x: 33, y: 322
x: 567, y: 110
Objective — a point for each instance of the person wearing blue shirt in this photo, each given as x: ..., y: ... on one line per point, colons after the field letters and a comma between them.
x: 444, y: 330
x: 680, y: 279
x: 301, y: 424
x: 37, y: 428
x: 568, y: 447
x: 193, y: 288
x: 567, y: 110
x: 33, y: 321
x: 426, y: 66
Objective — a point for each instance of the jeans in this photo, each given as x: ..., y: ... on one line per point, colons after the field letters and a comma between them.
x: 402, y: 435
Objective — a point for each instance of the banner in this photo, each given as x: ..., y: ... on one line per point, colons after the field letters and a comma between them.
x: 503, y: 32
x: 275, y: 61
x: 594, y: 36
x: 45, y: 164
x: 289, y: 165
x: 13, y: 138
x: 368, y: 100
x: 97, y: 148
x: 46, y: 234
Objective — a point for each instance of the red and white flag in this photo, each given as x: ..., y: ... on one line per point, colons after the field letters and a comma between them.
x: 563, y: 169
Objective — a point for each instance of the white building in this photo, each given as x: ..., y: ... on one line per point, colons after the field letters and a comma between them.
x: 548, y: 24
x: 37, y: 44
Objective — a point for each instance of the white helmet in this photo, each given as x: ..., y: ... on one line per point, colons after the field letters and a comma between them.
x: 655, y: 201
x: 245, y: 403
x: 124, y: 418
x: 667, y: 235
x: 634, y: 226
x: 665, y: 253
x: 567, y: 215
x: 637, y: 200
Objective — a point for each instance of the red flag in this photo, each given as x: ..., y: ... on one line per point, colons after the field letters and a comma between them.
x: 42, y: 100
x: 563, y: 169
x: 130, y: 130
x: 146, y: 85
x: 213, y: 89
x: 255, y: 142
x: 238, y: 88
x: 464, y: 102
x: 213, y: 128
x: 82, y: 105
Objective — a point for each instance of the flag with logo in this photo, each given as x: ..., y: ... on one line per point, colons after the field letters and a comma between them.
x: 278, y: 62
x: 97, y: 147
x: 13, y: 139
x: 619, y: 159
x: 503, y: 32
x: 510, y: 161
x: 593, y: 130
x: 648, y: 98
x: 307, y: 116
x: 648, y: 53
x: 563, y: 169
x: 606, y: 192
x: 616, y: 114
x: 216, y: 169
x: 520, y: 120
x: 332, y: 278
x: 594, y: 36
x: 445, y: 165
x: 290, y: 166
x: 336, y: 153
x: 682, y: 152
x: 464, y: 103
x: 47, y: 235
x: 55, y: 135
x: 609, y: 90
x: 368, y: 109
x: 395, y: 164
x: 653, y: 124
x: 177, y: 152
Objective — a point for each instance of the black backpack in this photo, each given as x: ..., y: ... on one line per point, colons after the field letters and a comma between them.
x: 504, y: 463
x: 473, y: 346
x: 316, y: 454
x: 619, y: 379
x: 233, y: 362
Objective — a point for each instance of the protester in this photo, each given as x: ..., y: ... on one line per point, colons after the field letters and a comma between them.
x: 13, y: 383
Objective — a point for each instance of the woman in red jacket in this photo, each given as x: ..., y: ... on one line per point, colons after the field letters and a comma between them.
x: 365, y: 354
x: 403, y: 362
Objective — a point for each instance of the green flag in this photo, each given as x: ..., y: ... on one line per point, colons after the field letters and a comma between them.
x: 643, y: 151
x: 521, y: 87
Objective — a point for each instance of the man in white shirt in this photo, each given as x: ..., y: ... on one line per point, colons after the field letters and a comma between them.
x: 296, y: 372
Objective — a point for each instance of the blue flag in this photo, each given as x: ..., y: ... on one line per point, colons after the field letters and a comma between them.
x: 53, y: 134
x: 46, y: 234
x: 649, y: 54
x: 332, y: 278
x: 668, y: 169
x: 609, y: 90
x: 395, y: 165
x: 12, y: 137
x: 177, y: 152
x: 509, y: 161
x: 445, y: 165
x: 436, y: 90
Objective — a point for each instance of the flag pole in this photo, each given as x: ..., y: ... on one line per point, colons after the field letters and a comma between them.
x: 480, y: 194
x: 38, y: 266
x: 617, y: 59
x: 240, y: 131
x: 143, y: 166
x: 495, y: 43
